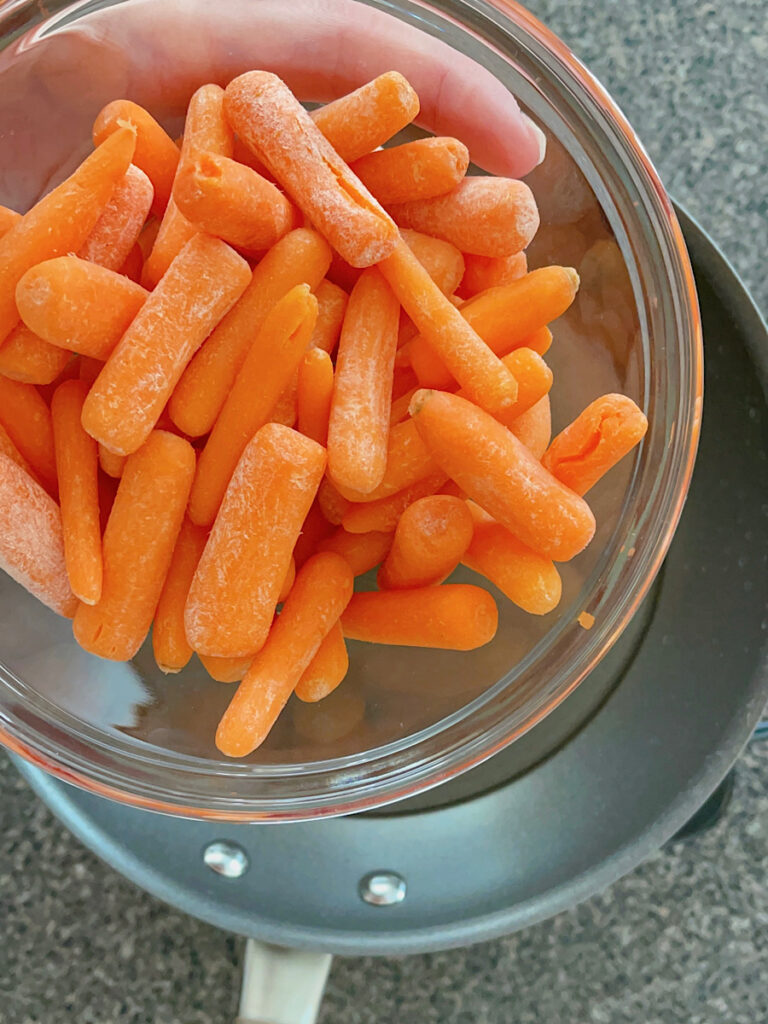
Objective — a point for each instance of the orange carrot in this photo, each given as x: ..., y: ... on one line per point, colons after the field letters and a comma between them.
x: 333, y: 505
x: 290, y: 579
x: 77, y: 469
x: 301, y: 257
x: 362, y: 388
x: 169, y: 641
x: 138, y: 547
x: 482, y: 272
x: 205, y: 129
x: 322, y: 590
x: 26, y: 357
x: 315, y: 390
x: 200, y: 286
x: 267, y: 116
x: 430, y: 538
x: 148, y: 236
x: 113, y: 465
x: 598, y: 438
x: 156, y: 153
x: 454, y: 617
x: 534, y: 427
x: 62, y: 220
x: 314, y: 529
x: 441, y: 260
x: 132, y: 264
x: 326, y: 670
x: 399, y: 409
x: 27, y: 421
x: 331, y: 307
x: 413, y: 171
x: 407, y: 460
x: 9, y: 449
x: 78, y: 306
x: 534, y: 379
x: 484, y: 216
x: 384, y: 514
x: 225, y: 670
x: 403, y: 379
x: 498, y: 472
x: 286, y: 410
x: 363, y: 551
x: 118, y: 228
x: 365, y: 119
x: 229, y: 200
x: 269, y: 366
x: 7, y: 219
x: 235, y: 589
x: 529, y: 580
x: 31, y: 541
x: 486, y: 380
x: 503, y: 317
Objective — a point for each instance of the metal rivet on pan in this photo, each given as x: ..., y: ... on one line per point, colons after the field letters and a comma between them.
x: 382, y: 888
x: 225, y: 858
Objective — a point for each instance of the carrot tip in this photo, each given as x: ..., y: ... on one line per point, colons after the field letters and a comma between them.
x: 419, y: 400
x: 573, y: 277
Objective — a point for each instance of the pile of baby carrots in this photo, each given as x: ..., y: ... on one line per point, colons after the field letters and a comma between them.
x: 240, y: 370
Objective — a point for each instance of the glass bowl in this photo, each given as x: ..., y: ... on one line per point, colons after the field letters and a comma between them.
x: 404, y: 719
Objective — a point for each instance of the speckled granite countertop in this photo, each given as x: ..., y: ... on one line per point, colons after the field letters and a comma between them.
x: 684, y: 939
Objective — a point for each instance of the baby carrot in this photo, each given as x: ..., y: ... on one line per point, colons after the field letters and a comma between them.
x: 112, y: 464
x: 534, y: 380
x: 430, y: 538
x: 117, y: 229
x: 365, y: 119
x: 7, y: 219
x: 138, y: 547
x: 268, y: 117
x: 302, y: 257
x: 399, y: 409
x: 363, y: 551
x: 482, y: 215
x: 235, y: 589
x: 286, y: 410
x: 132, y: 264
x: 9, y: 449
x: 486, y: 380
x: 314, y: 529
x: 200, y: 286
x: 225, y: 670
x: 503, y: 317
x: 326, y: 670
x: 232, y: 202
x: 77, y: 305
x: 331, y: 307
x: 598, y: 438
x: 77, y: 469
x: 156, y: 153
x: 384, y: 514
x: 529, y: 580
x: 26, y: 357
x: 413, y: 171
x: 482, y: 272
x: 441, y: 260
x: 62, y: 220
x: 314, y: 393
x: 205, y: 129
x: 454, y: 617
x: 288, y: 581
x: 169, y: 641
x: 269, y: 366
x: 27, y: 421
x: 333, y: 505
x: 31, y: 541
x: 362, y: 388
x: 498, y: 472
x: 534, y: 427
x: 322, y: 590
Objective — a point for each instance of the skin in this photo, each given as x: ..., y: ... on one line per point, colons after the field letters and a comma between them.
x: 154, y: 54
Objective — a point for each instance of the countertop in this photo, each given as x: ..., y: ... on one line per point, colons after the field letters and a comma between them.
x: 682, y: 940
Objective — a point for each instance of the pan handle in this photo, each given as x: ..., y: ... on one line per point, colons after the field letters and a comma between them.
x: 281, y: 986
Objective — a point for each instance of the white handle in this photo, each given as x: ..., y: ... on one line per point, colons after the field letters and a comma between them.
x: 281, y: 986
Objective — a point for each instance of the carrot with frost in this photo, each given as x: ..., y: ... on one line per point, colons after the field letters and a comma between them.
x: 333, y: 504
x: 498, y: 472
x: 441, y: 260
x: 314, y: 394
x: 77, y: 471
x: 26, y: 357
x: 268, y: 117
x: 483, y: 272
x: 301, y: 257
x: 453, y: 617
x: 169, y: 640
x: 31, y: 539
x: 326, y: 670
x: 430, y: 538
x: 156, y: 153
x: 118, y: 228
x: 138, y: 546
x: 235, y: 589
x: 331, y: 307
x: 322, y: 590
x: 27, y: 420
x: 200, y: 286
x: 271, y: 363
x: 415, y: 170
